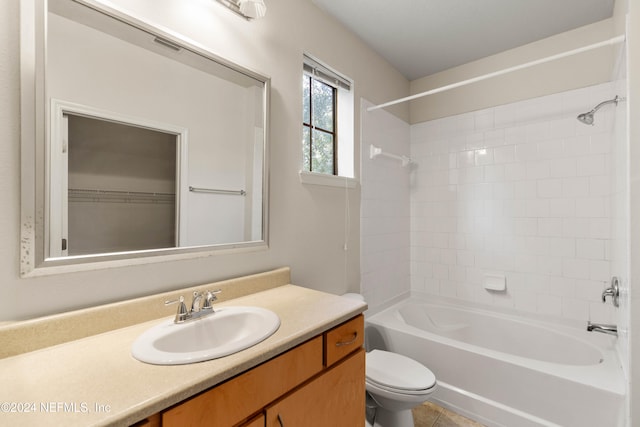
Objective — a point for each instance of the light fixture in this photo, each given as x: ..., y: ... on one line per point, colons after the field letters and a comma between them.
x: 250, y: 9
x: 253, y: 8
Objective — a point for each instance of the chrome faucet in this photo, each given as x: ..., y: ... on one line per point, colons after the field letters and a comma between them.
x: 613, y: 291
x: 195, y: 303
x: 198, y: 307
x: 604, y: 328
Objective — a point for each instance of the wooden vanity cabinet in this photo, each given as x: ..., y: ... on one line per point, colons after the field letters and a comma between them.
x: 318, y: 383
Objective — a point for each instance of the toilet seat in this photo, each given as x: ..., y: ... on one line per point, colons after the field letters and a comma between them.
x: 397, y: 373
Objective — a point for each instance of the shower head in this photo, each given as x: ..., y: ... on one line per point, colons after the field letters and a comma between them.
x: 587, y: 118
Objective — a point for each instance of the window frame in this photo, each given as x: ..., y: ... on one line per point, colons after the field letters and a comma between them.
x: 334, y: 95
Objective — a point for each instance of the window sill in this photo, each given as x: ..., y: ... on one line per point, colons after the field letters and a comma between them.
x: 327, y: 180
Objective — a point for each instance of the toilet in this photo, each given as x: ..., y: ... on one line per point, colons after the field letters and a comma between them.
x: 396, y: 384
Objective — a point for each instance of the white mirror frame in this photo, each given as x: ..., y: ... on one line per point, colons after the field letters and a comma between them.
x: 33, y: 184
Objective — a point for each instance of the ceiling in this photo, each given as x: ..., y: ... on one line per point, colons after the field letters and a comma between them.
x: 423, y: 37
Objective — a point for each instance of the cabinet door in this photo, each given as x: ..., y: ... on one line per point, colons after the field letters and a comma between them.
x: 256, y: 422
x: 239, y: 398
x: 152, y: 421
x: 335, y: 398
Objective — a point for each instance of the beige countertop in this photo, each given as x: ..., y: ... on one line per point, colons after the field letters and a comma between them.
x: 96, y: 381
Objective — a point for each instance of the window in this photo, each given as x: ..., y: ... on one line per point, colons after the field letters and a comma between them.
x: 318, y: 126
x: 327, y: 121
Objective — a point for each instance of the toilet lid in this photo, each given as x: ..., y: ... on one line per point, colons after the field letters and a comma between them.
x: 397, y: 371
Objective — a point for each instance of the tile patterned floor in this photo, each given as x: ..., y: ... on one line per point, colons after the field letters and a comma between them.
x: 431, y: 415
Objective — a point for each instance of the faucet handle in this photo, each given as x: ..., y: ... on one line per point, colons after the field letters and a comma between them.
x: 613, y: 291
x: 209, y: 298
x: 182, y: 313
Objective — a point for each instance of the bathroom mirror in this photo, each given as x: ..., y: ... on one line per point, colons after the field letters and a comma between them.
x: 138, y: 145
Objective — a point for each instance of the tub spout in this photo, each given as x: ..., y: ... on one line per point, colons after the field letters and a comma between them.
x: 600, y: 327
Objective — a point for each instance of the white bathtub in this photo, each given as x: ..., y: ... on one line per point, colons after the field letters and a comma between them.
x: 507, y: 371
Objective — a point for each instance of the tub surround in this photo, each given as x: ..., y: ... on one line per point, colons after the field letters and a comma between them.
x: 102, y: 384
x: 523, y: 191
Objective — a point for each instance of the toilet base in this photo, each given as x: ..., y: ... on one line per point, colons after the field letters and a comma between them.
x: 386, y: 418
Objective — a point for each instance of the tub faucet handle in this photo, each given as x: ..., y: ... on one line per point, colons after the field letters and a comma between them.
x: 613, y: 291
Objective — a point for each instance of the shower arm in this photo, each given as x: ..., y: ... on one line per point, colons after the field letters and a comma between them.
x: 603, y: 103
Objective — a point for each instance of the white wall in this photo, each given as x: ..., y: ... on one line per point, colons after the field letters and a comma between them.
x: 620, y: 220
x: 306, y: 222
x: 574, y: 72
x: 521, y: 190
x: 384, y: 231
x: 633, y: 71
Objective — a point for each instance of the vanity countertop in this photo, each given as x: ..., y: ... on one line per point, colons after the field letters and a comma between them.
x: 96, y: 381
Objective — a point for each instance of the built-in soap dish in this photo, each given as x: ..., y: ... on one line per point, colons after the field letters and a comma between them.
x: 495, y: 282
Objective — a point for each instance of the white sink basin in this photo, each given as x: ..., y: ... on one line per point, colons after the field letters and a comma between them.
x: 226, y: 331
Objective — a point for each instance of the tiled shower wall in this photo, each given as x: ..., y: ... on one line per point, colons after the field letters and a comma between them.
x: 384, y: 216
x: 521, y: 191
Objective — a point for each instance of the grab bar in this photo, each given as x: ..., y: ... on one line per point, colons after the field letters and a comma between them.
x: 217, y: 191
x: 377, y: 151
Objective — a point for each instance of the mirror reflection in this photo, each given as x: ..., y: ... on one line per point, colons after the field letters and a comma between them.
x: 121, y: 188
x: 151, y: 143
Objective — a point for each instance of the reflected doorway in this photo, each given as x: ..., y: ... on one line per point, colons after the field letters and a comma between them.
x: 116, y: 187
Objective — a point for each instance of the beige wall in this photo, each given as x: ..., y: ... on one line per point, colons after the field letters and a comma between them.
x: 574, y: 72
x: 633, y: 58
x: 307, y: 222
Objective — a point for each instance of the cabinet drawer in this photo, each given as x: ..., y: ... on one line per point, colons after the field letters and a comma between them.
x: 240, y: 397
x: 343, y: 339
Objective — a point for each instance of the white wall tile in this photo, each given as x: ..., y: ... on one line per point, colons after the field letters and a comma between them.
x: 576, y: 146
x: 563, y: 167
x: 526, y: 152
x: 538, y: 169
x: 562, y: 247
x: 484, y: 120
x: 576, y: 268
x: 599, y: 270
x: 592, y: 207
x: 562, y: 208
x: 575, y: 187
x: 525, y: 190
x: 561, y: 286
x: 549, y: 227
x: 575, y: 308
x: 551, y: 149
x: 591, y: 165
x: 549, y: 188
x: 600, y: 143
x: 549, y: 305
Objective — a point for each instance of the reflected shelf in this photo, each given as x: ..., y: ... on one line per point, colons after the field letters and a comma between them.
x: 116, y: 196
